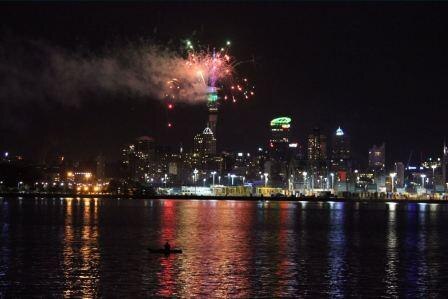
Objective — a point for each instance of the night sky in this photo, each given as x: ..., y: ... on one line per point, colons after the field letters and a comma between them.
x: 378, y: 70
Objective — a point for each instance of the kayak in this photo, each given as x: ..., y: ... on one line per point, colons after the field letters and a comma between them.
x: 151, y: 250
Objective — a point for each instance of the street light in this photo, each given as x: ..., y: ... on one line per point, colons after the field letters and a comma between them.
x: 291, y: 183
x: 433, y: 166
x: 204, y: 181
x: 423, y: 176
x: 244, y: 180
x: 266, y: 179
x: 233, y: 177
x: 392, y: 176
x: 213, y: 174
x: 195, y: 175
x: 195, y: 178
x: 219, y: 180
x: 332, y: 180
x: 304, y: 180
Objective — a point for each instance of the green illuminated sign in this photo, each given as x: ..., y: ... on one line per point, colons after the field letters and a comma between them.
x: 212, y: 97
x: 280, y: 121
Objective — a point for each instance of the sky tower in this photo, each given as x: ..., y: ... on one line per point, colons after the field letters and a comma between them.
x: 212, y: 104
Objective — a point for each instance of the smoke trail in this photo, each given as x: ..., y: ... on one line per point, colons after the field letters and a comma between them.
x: 36, y: 71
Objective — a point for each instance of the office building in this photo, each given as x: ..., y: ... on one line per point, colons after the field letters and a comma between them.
x: 317, y: 147
x: 204, y: 143
x: 377, y: 158
x: 139, y: 159
x: 340, y: 155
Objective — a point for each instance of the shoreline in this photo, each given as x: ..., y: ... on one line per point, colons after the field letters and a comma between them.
x: 239, y: 198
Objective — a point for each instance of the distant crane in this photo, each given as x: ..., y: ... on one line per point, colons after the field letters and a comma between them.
x: 409, y: 159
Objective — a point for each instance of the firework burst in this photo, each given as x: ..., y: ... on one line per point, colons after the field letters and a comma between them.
x: 205, y: 69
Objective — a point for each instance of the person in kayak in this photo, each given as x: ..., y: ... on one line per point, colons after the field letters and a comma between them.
x: 167, y: 246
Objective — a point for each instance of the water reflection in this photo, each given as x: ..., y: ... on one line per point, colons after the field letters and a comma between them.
x: 5, y: 254
x: 81, y: 256
x: 165, y: 275
x: 215, y: 235
x: 286, y: 268
x: 97, y: 247
x: 337, y: 250
x: 422, y: 264
x: 392, y: 260
x: 435, y: 251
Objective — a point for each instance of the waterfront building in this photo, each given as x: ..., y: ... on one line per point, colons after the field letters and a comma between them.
x: 242, y: 164
x: 434, y: 176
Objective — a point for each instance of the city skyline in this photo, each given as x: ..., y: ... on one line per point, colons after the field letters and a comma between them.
x: 321, y: 166
x: 367, y: 83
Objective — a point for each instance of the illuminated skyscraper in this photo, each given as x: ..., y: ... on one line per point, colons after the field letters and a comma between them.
x: 377, y: 158
x: 209, y: 142
x: 317, y: 147
x: 317, y: 157
x: 139, y: 158
x: 280, y: 128
x: 198, y: 143
x: 205, y: 143
x: 340, y: 154
x: 280, y: 134
x: 145, y: 147
x: 278, y: 150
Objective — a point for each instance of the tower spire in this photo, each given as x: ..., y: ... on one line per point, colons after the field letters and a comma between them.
x: 212, y: 104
